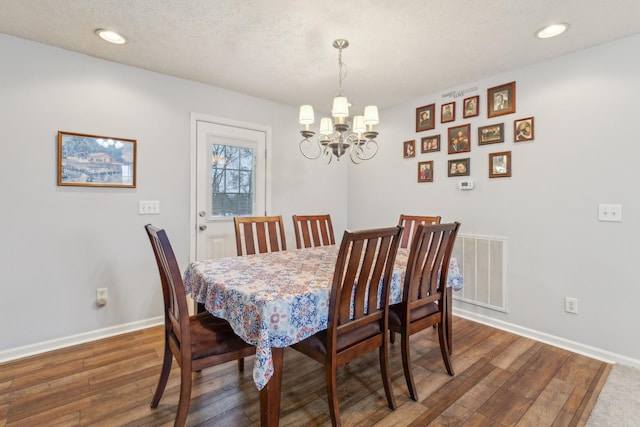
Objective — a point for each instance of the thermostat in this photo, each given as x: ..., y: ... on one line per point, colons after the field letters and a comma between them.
x: 465, y: 185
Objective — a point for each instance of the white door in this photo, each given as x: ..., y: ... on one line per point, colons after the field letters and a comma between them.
x: 230, y: 181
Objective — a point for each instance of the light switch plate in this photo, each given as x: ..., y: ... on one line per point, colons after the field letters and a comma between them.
x: 149, y: 207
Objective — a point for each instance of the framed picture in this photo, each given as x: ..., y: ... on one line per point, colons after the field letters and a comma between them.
x: 409, y: 149
x: 470, y: 107
x: 458, y: 139
x: 459, y: 167
x: 491, y: 134
x: 426, y: 117
x: 501, y: 100
x: 96, y: 161
x: 448, y: 112
x: 500, y: 164
x: 425, y: 171
x: 430, y: 144
x: 523, y: 130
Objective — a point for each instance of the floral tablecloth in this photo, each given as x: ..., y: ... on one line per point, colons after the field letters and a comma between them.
x: 279, y: 298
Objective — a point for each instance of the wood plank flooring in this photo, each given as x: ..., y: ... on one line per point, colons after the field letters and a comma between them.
x: 501, y: 380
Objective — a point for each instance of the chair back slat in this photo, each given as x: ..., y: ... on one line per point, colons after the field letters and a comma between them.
x: 313, y: 230
x: 428, y: 263
x: 175, y: 299
x: 363, y: 272
x: 410, y: 224
x: 264, y: 232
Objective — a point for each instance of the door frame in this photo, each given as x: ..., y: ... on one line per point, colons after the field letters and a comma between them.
x: 198, y: 117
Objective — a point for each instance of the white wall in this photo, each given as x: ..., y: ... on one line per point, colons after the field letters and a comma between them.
x: 585, y: 152
x: 58, y: 244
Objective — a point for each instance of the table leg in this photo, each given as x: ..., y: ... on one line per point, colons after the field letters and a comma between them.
x: 270, y: 393
x: 449, y: 318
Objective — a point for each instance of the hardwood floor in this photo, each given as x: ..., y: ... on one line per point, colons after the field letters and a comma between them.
x: 501, y: 380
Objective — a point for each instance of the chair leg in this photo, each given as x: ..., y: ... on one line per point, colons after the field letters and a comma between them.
x: 241, y: 364
x: 185, y: 395
x: 392, y: 337
x: 444, y: 348
x: 406, y: 365
x: 164, y: 374
x: 386, y: 375
x: 332, y: 394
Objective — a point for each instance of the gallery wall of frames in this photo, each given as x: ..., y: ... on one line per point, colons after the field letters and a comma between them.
x: 451, y: 133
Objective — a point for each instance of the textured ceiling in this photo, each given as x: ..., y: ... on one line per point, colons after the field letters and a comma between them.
x: 282, y: 49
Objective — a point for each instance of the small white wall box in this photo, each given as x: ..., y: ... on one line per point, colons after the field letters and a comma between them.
x: 465, y: 185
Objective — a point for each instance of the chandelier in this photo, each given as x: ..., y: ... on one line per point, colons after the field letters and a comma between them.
x: 337, y: 137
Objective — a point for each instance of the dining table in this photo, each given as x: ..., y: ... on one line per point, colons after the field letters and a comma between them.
x: 273, y: 300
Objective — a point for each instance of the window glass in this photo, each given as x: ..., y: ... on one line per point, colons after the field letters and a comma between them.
x: 232, y: 180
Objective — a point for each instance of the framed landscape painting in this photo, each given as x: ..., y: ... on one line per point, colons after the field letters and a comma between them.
x: 96, y: 161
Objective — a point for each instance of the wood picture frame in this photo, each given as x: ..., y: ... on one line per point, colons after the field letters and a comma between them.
x: 471, y: 107
x: 491, y: 134
x: 409, y: 149
x: 500, y: 164
x: 425, y: 171
x: 459, y: 167
x: 523, y: 130
x: 447, y: 112
x: 430, y: 144
x: 96, y: 161
x: 426, y: 117
x: 459, y: 139
x: 501, y: 100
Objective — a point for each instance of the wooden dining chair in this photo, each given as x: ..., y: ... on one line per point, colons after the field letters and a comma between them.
x: 264, y: 232
x: 197, y: 342
x: 424, y: 301
x: 313, y: 230
x: 364, y: 268
x: 410, y: 224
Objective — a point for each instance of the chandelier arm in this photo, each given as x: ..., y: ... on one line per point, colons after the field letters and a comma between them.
x: 311, y: 145
x: 327, y: 154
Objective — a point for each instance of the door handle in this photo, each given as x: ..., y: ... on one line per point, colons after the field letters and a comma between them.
x: 202, y: 227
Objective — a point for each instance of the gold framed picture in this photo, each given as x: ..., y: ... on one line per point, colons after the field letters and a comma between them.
x: 501, y: 100
x: 500, y: 164
x: 96, y: 161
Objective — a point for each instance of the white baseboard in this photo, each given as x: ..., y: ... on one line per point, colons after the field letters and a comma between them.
x: 42, y: 347
x: 576, y: 347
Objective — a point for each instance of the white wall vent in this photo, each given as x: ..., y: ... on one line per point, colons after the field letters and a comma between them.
x: 483, y: 263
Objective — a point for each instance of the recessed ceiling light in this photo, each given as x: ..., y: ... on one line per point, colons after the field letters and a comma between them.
x: 111, y: 36
x: 552, y: 30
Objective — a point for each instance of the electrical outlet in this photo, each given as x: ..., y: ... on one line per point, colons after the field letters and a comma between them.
x: 610, y: 213
x: 571, y: 305
x: 102, y: 296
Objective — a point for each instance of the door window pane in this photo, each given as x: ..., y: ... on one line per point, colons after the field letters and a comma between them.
x: 232, y: 180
